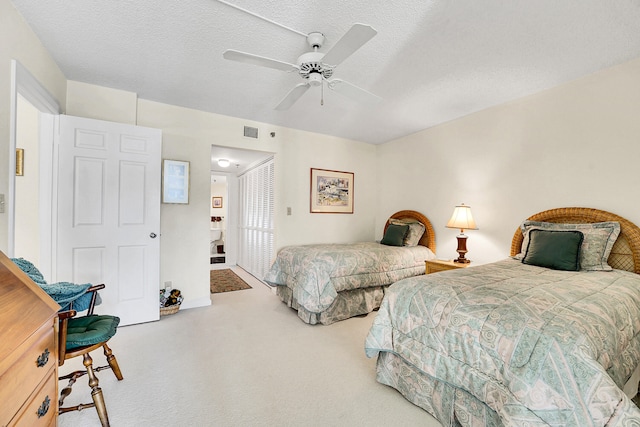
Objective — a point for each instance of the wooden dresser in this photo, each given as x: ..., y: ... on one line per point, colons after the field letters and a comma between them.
x: 28, y: 351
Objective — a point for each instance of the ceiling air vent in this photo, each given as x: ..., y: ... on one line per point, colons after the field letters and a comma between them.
x: 250, y: 132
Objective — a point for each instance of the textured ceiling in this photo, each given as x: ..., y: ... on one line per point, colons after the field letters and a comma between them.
x: 431, y: 61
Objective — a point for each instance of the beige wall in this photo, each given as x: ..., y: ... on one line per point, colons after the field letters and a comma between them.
x: 574, y: 145
x: 101, y: 103
x: 18, y: 42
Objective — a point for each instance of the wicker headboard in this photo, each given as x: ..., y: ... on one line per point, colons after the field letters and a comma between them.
x: 428, y: 238
x: 625, y: 254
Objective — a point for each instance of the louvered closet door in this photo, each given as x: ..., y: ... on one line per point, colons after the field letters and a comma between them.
x: 256, y: 219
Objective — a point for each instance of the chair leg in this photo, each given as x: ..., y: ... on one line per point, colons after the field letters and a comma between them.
x: 96, y: 391
x: 113, y: 362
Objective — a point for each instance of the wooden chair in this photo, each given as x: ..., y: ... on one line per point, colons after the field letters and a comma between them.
x: 78, y: 336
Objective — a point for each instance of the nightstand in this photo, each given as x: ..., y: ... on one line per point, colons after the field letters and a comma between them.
x: 437, y: 265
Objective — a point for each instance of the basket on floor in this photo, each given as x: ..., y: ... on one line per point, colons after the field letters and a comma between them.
x: 172, y: 309
x: 170, y: 300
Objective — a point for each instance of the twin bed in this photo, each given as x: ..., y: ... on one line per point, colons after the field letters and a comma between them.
x: 531, y: 340
x: 329, y: 283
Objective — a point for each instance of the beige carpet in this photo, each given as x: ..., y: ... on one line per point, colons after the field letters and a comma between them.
x: 247, y: 360
x: 226, y: 280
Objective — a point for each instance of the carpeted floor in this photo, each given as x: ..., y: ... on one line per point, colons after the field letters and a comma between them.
x: 226, y: 281
x: 246, y: 360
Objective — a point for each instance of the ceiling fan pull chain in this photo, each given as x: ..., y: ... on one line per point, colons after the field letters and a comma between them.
x: 322, y: 94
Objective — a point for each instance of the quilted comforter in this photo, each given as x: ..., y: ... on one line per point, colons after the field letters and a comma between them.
x: 512, y: 344
x: 316, y: 273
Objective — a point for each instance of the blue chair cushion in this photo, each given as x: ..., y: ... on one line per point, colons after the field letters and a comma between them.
x: 89, y: 330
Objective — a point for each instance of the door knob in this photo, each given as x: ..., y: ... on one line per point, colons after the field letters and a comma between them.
x: 152, y: 235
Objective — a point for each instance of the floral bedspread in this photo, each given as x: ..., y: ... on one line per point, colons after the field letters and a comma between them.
x: 316, y: 273
x: 537, y: 346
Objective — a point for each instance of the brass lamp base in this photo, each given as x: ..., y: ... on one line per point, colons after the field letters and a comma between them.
x: 462, y: 250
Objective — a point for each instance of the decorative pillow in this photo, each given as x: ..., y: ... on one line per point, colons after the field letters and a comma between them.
x: 598, y: 241
x: 416, y: 230
x: 559, y: 250
x: 395, y: 234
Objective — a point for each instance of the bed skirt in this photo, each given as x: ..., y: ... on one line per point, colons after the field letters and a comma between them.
x: 449, y: 405
x: 347, y: 304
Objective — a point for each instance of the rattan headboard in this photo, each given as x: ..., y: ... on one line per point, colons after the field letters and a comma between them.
x: 428, y: 238
x: 625, y: 254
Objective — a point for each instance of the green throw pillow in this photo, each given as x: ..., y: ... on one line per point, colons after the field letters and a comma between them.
x: 395, y: 234
x: 559, y: 250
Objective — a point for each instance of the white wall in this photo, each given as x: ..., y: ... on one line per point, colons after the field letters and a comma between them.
x: 18, y: 42
x: 574, y: 145
x: 219, y: 189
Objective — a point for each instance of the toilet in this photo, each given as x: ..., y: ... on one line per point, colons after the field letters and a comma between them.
x: 216, y: 234
x: 217, y: 246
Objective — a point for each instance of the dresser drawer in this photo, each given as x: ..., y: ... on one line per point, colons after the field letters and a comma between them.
x: 20, y: 379
x: 41, y: 409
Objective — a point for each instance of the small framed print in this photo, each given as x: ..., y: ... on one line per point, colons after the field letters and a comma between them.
x: 175, y: 181
x: 216, y: 202
x: 331, y: 191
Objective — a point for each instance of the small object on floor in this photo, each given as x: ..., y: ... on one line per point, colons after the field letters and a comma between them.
x: 226, y: 280
x: 170, y: 300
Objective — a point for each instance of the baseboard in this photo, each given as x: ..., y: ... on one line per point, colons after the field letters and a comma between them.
x: 195, y: 303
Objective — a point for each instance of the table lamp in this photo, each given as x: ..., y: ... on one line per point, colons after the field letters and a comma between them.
x: 463, y: 220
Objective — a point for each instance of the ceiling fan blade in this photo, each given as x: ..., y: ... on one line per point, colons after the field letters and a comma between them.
x: 353, y: 92
x: 358, y: 35
x: 249, y: 58
x: 293, y: 95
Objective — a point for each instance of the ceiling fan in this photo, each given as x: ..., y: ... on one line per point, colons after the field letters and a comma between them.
x: 316, y: 68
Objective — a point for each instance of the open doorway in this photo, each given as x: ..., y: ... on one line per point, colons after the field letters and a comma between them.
x: 219, y: 209
x: 27, y: 186
x: 229, y: 238
x: 29, y: 200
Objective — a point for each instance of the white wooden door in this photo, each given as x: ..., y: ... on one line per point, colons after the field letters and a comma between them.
x: 108, y: 214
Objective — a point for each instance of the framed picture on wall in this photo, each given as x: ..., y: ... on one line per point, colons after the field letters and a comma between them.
x: 175, y: 181
x: 216, y: 202
x: 331, y: 191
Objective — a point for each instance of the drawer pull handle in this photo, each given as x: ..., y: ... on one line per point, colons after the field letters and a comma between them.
x: 43, y: 358
x: 44, y: 408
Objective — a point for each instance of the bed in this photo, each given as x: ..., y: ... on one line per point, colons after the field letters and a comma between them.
x: 514, y: 343
x: 326, y: 283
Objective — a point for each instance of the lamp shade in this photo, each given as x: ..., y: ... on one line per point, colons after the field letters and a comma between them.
x: 462, y: 218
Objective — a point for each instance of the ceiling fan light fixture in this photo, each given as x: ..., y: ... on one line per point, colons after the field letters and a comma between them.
x: 223, y: 163
x: 315, y: 79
